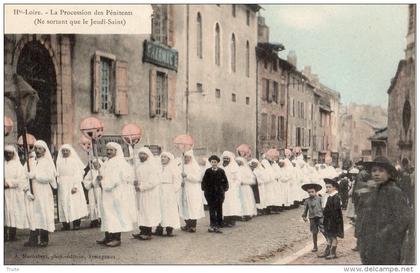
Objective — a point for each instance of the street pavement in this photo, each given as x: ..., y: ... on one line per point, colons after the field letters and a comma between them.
x: 263, y: 240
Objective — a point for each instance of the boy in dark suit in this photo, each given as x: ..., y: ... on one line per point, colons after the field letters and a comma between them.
x: 214, y: 185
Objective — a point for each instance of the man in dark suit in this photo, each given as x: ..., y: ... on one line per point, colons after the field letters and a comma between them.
x: 214, y: 185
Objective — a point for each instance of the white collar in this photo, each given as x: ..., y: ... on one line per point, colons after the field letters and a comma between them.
x: 333, y: 193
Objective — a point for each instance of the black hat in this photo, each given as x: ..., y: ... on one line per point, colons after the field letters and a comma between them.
x: 214, y: 157
x: 360, y: 162
x: 333, y: 182
x: 314, y: 186
x: 381, y: 162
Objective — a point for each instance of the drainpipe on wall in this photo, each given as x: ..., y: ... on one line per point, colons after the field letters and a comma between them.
x: 257, y: 112
x: 287, y: 108
x: 187, y: 92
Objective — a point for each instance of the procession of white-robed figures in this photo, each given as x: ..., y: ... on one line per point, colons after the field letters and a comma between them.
x: 152, y: 193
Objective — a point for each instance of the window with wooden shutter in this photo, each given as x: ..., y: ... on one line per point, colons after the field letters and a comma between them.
x: 152, y: 93
x: 96, y: 84
x: 121, y: 88
x: 171, y: 95
x: 103, y: 82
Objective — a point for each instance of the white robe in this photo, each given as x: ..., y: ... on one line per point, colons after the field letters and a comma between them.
x: 14, y: 197
x: 232, y: 204
x: 131, y: 198
x: 149, y: 195
x: 94, y: 194
x: 29, y: 203
x: 280, y: 188
x: 190, y: 197
x: 286, y: 177
x: 247, y: 196
x: 270, y: 184
x: 70, y: 206
x: 294, y: 182
x: 261, y: 177
x: 43, y: 205
x: 170, y: 184
x: 114, y: 210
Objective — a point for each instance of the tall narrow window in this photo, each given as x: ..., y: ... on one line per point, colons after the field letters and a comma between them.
x: 273, y: 127
x: 247, y: 59
x: 234, y: 10
x: 275, y: 92
x: 297, y: 136
x: 264, y: 126
x: 267, y: 90
x: 217, y: 93
x: 233, y: 53
x: 199, y: 37
x: 105, y: 84
x: 217, y: 45
x: 282, y: 94
x: 293, y: 102
x: 248, y: 17
x: 282, y: 131
x: 309, y: 137
x: 160, y: 29
x: 162, y: 94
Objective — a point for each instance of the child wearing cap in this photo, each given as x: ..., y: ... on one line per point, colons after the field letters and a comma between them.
x: 313, y: 210
x: 333, y: 219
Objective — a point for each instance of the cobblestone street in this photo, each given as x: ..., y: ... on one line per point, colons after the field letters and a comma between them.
x: 255, y: 241
x: 263, y: 240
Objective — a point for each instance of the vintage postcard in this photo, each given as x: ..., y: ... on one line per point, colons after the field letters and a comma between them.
x: 210, y: 134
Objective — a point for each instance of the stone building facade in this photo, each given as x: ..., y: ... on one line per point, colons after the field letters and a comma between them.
x: 401, y: 144
x: 271, y: 93
x: 104, y: 76
x: 357, y: 124
x: 195, y: 74
x: 302, y: 119
x: 217, y: 73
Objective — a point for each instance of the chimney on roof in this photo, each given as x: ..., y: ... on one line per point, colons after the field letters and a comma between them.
x: 307, y: 71
x: 263, y: 30
x: 292, y: 58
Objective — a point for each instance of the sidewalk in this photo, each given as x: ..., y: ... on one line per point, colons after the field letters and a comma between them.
x: 345, y: 256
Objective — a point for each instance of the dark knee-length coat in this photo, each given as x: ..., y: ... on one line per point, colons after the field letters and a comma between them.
x: 333, y: 217
x: 384, y: 225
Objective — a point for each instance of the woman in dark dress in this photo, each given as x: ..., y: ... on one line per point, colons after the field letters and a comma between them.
x: 386, y: 217
x: 333, y: 218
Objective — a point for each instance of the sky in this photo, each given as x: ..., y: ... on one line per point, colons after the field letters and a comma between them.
x: 354, y: 49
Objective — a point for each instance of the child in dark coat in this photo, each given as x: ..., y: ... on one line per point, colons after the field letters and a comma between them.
x: 333, y: 218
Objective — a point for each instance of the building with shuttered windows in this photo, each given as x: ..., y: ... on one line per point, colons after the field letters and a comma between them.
x: 105, y: 76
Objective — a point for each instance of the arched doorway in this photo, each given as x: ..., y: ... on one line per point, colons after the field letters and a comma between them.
x: 36, y: 67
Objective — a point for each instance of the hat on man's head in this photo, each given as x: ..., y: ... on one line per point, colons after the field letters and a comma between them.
x: 314, y: 186
x: 214, y: 157
x: 333, y: 182
x: 383, y: 162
